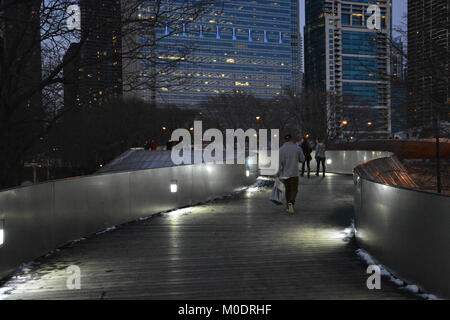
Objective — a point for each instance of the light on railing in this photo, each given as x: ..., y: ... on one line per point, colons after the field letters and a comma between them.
x: 2, y: 232
x: 329, y: 161
x: 247, y: 173
x: 174, y: 187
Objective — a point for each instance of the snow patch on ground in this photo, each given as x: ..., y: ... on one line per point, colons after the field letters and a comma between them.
x: 106, y: 230
x: 5, y: 292
x: 177, y: 213
x: 259, y: 185
x: 350, y: 233
x: 79, y: 240
x: 400, y: 283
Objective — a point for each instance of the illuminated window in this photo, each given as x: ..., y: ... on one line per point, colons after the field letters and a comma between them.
x: 217, y: 32
x: 234, y: 33
x: 281, y: 38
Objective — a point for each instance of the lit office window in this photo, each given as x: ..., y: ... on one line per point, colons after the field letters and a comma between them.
x: 250, y: 35
x: 266, y: 39
x: 167, y: 30
x: 201, y: 31
x: 184, y: 30
x: 234, y: 33
x: 281, y: 38
x: 217, y: 32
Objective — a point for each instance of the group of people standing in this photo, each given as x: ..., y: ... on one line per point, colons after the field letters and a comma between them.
x: 307, y: 147
x: 151, y: 145
x: 291, y: 154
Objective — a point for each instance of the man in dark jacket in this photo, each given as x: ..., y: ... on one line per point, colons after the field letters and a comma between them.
x: 307, y: 150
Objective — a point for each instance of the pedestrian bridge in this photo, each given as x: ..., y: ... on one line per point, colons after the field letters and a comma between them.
x: 129, y: 239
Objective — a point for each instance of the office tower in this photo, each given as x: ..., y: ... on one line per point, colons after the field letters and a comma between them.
x: 21, y: 69
x: 301, y: 68
x: 95, y: 68
x: 352, y: 63
x: 248, y: 46
x: 398, y: 87
x: 428, y: 74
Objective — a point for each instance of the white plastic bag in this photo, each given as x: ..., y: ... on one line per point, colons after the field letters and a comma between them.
x: 277, y: 194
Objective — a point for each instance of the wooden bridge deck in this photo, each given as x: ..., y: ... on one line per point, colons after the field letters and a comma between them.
x: 239, y: 248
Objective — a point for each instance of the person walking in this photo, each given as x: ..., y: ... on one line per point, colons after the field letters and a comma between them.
x: 307, y: 150
x: 320, y: 156
x: 290, y: 157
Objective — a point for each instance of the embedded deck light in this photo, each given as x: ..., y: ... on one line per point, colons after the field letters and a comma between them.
x: 2, y: 232
x: 329, y: 161
x: 174, y: 187
x: 247, y: 173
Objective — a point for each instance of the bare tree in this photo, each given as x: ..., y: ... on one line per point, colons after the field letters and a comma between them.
x: 146, y: 24
x: 34, y: 38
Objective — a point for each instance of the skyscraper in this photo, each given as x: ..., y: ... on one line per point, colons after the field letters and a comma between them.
x: 250, y: 46
x: 352, y: 62
x: 95, y: 69
x: 398, y: 87
x: 428, y: 55
x: 21, y: 51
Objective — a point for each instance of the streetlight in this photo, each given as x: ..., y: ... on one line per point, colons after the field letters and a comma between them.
x: 369, y: 123
x: 258, y: 118
x: 164, y: 128
x: 345, y: 123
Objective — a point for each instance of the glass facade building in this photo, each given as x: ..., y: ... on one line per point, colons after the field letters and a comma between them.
x: 93, y: 68
x: 352, y: 62
x: 428, y: 62
x: 250, y: 46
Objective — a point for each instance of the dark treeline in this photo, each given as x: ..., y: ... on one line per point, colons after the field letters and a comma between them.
x: 83, y: 139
